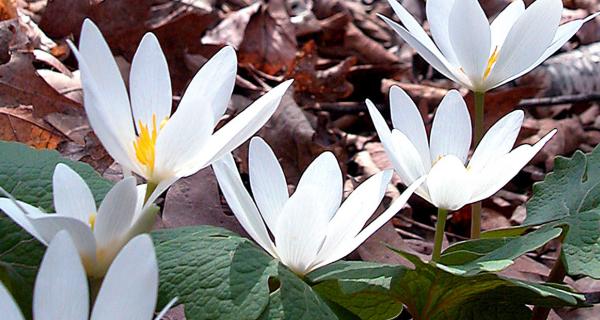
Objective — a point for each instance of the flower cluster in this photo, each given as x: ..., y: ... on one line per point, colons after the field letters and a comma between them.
x: 108, y: 244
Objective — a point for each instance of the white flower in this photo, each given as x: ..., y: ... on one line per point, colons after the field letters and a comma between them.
x: 450, y: 184
x: 99, y: 233
x: 469, y: 50
x: 310, y: 228
x: 128, y: 291
x: 162, y: 147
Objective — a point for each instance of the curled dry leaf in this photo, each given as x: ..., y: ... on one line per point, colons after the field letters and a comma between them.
x: 19, y: 124
x: 21, y: 85
x: 311, y: 84
x: 269, y: 42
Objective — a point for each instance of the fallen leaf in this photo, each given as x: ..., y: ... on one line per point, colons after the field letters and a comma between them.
x: 269, y: 40
x: 19, y: 124
x: 21, y: 85
x: 195, y: 200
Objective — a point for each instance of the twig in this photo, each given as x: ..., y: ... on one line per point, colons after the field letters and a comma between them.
x: 551, y: 101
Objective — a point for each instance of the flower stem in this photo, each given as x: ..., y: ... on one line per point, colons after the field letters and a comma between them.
x: 95, y: 284
x: 476, y: 207
x: 150, y: 187
x: 479, y: 111
x: 557, y: 274
x: 440, y: 225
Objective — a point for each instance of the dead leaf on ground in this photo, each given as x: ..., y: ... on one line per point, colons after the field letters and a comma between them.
x: 312, y: 85
x: 294, y: 139
x: 19, y: 124
x: 21, y: 85
x: 269, y: 42
x: 195, y: 200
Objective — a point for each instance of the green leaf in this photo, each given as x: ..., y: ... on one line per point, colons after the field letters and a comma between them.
x: 505, y: 232
x: 298, y: 299
x: 364, y: 290
x: 220, y: 275
x: 581, y: 246
x: 432, y: 293
x: 26, y: 173
x: 214, y: 272
x: 570, y: 197
x: 492, y: 255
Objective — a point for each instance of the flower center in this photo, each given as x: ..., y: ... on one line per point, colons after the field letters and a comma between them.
x: 491, y: 61
x: 145, y: 142
x: 92, y: 220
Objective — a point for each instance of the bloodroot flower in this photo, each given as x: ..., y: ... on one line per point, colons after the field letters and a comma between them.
x: 311, y: 228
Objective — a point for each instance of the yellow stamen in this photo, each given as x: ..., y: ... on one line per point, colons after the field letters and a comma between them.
x: 92, y: 220
x: 491, y: 62
x: 145, y: 142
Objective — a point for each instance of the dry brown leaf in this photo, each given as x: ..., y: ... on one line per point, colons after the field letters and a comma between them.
x: 269, y: 40
x: 294, y: 140
x: 567, y: 139
x: 19, y: 124
x: 21, y: 85
x: 7, y: 10
x: 326, y: 85
x: 195, y: 200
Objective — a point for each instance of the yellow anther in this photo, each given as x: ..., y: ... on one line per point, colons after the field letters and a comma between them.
x: 491, y: 62
x: 92, y: 220
x: 144, y: 144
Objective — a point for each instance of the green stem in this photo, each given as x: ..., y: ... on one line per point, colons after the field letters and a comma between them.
x: 150, y: 187
x: 476, y: 207
x: 479, y: 111
x: 440, y: 226
x: 557, y: 275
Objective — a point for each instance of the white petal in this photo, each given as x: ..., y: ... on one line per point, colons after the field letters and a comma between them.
x: 183, y: 139
x: 49, y: 225
x: 563, y: 34
x: 14, y: 210
x: 396, y: 206
x: 504, y: 22
x: 212, y: 86
x: 241, y: 203
x: 407, y: 118
x: 301, y: 230
x: 105, y: 97
x: 61, y: 288
x: 149, y: 82
x: 448, y: 184
x: 115, y: 216
x: 238, y: 130
x: 438, y: 16
x: 469, y: 32
x: 323, y: 180
x: 8, y: 305
x: 413, y: 26
x: 432, y: 55
x: 496, y: 174
x: 353, y: 214
x: 72, y: 196
x: 451, y: 129
x: 130, y: 288
x: 404, y: 156
x: 527, y: 40
x: 498, y: 141
x: 267, y: 181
